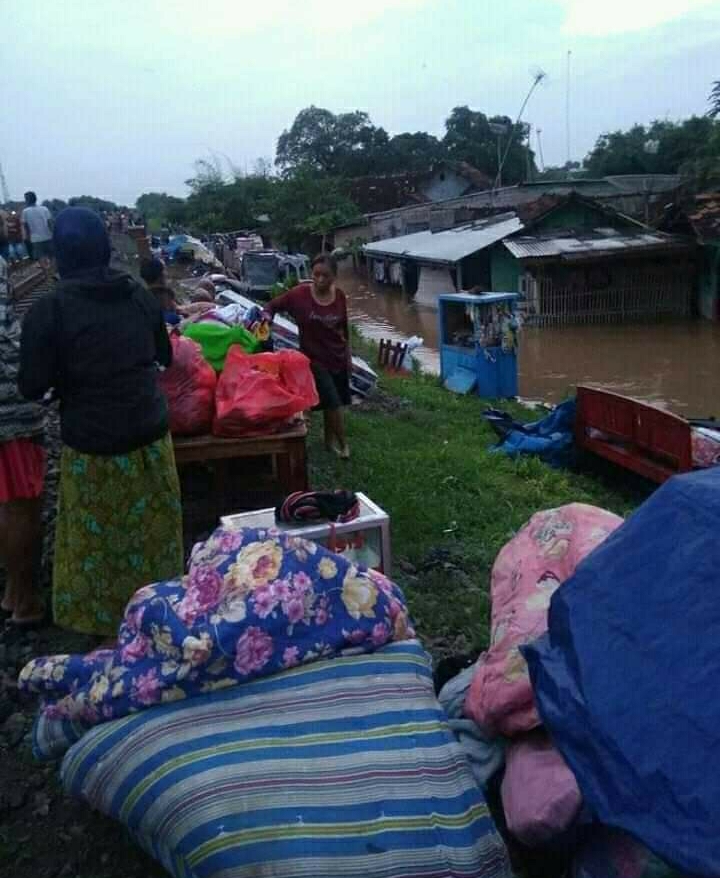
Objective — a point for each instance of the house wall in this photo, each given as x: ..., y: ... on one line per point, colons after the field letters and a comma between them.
x: 342, y: 237
x: 445, y: 184
x: 709, y: 282
x: 505, y: 270
x: 475, y: 271
x: 611, y: 290
x: 579, y: 216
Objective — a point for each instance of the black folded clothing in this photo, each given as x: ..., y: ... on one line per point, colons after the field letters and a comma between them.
x: 308, y: 506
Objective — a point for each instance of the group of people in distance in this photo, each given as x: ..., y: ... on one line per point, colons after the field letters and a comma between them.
x: 29, y: 233
x: 95, y: 344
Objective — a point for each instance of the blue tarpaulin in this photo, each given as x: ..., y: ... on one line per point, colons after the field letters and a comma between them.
x: 551, y: 438
x: 626, y: 679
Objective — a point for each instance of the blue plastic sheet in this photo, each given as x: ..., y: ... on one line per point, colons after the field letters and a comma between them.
x: 626, y: 679
x: 551, y: 439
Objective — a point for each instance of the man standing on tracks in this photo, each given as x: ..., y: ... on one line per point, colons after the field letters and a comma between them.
x: 37, y: 222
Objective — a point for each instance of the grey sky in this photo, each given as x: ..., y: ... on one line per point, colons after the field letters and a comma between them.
x: 117, y: 97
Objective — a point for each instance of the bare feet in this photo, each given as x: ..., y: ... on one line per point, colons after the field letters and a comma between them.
x: 342, y: 451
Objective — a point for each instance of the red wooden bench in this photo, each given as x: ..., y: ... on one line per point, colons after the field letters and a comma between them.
x: 643, y: 438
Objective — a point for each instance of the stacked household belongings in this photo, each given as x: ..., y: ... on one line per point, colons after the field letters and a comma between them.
x: 594, y: 691
x: 271, y: 713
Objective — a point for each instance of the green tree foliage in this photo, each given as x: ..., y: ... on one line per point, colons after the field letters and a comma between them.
x: 661, y: 148
x: 55, y: 205
x: 414, y: 152
x: 93, y: 203
x: 715, y: 100
x: 157, y: 208
x: 469, y: 138
x: 349, y: 145
x: 343, y: 145
x: 304, y: 204
x: 216, y: 204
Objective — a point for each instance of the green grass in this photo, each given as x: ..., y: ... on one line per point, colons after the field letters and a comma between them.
x: 422, y: 454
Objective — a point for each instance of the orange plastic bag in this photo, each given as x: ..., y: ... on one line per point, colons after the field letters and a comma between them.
x: 262, y: 390
x: 189, y: 385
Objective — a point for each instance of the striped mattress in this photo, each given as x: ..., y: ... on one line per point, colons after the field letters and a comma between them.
x: 339, y: 769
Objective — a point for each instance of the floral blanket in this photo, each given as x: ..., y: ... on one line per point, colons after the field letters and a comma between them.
x: 254, y: 602
x: 527, y: 572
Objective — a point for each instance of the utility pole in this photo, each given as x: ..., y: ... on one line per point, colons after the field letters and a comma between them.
x: 499, y: 130
x: 538, y: 131
x: 4, y: 187
x: 528, y: 172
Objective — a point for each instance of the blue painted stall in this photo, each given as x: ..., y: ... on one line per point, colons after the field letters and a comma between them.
x: 478, y: 343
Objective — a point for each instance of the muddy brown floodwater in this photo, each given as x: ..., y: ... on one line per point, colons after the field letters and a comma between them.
x: 675, y: 365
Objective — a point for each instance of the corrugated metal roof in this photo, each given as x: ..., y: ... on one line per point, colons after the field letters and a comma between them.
x: 449, y: 246
x: 542, y: 248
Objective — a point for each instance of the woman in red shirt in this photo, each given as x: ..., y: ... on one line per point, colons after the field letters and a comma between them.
x: 320, y: 311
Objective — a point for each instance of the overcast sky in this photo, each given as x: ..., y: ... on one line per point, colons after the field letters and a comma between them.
x: 117, y: 97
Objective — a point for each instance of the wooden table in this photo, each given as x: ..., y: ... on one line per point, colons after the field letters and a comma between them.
x: 287, y: 450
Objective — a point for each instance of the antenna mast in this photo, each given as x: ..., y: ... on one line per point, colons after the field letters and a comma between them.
x: 537, y: 79
x: 567, y: 110
x: 3, y: 186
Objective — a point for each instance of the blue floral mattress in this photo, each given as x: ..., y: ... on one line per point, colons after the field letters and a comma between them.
x: 342, y: 768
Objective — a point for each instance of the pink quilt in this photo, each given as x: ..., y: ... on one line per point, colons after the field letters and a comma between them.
x: 527, y: 572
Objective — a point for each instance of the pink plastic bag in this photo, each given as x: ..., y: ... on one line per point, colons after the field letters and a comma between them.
x: 526, y: 573
x: 262, y: 390
x: 189, y: 386
x: 540, y: 795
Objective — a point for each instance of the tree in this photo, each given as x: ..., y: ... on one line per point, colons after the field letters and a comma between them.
x: 414, y: 152
x: 55, y: 205
x: 715, y: 100
x: 307, y: 204
x: 90, y: 201
x: 157, y: 208
x: 470, y: 138
x: 343, y: 145
x: 661, y: 148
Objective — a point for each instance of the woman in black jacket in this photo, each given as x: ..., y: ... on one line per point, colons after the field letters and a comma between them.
x: 96, y: 341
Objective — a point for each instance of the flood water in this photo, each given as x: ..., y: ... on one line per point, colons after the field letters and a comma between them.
x: 674, y: 365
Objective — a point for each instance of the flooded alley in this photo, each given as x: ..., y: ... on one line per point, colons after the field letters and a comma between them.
x: 675, y: 365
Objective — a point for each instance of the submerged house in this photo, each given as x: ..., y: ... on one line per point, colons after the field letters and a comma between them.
x: 705, y: 220
x: 700, y: 218
x: 387, y: 192
x: 580, y: 262
x: 574, y: 261
x: 640, y: 196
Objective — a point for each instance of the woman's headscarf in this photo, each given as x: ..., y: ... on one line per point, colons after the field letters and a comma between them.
x: 81, y: 241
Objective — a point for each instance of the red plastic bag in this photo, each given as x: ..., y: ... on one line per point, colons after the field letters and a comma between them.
x: 262, y: 390
x: 189, y: 385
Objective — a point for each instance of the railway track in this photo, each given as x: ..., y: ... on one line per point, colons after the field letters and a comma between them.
x: 29, y: 285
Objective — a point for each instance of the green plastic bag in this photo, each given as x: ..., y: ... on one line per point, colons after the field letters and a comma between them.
x: 216, y: 340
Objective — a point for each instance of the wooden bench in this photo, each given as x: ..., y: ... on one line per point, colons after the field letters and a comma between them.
x: 643, y: 438
x: 287, y: 450
x: 391, y: 354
